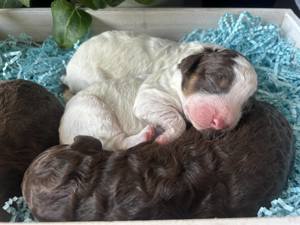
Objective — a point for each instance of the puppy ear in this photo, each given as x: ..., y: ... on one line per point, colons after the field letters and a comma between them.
x: 189, y: 63
x: 86, y: 144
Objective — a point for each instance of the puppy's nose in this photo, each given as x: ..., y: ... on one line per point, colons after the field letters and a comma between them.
x: 218, y: 123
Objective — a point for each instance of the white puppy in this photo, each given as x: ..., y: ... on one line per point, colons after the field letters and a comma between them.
x: 153, y: 82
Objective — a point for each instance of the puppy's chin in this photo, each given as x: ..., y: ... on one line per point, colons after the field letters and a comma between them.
x: 209, y: 133
x: 213, y: 134
x: 197, y: 126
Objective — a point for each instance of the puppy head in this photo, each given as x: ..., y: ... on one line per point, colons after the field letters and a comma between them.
x: 56, y: 177
x: 216, y: 84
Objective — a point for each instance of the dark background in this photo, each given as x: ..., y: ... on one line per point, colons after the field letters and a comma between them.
x: 244, y: 3
x: 218, y: 3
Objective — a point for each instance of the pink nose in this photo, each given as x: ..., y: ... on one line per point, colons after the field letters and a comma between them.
x: 218, y: 124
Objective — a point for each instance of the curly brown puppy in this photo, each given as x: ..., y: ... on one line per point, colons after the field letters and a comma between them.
x: 229, y: 175
x: 29, y: 120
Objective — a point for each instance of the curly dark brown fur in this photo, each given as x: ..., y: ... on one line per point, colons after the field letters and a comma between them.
x: 229, y: 175
x: 29, y: 120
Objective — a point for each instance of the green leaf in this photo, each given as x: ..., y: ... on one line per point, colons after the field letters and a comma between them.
x: 114, y: 3
x: 69, y: 23
x: 94, y: 4
x: 10, y: 4
x: 145, y: 2
x: 25, y: 2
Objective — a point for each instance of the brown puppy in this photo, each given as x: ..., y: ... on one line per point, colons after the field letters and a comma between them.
x: 29, y: 119
x: 229, y: 175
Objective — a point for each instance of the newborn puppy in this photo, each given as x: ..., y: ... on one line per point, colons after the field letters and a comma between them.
x: 230, y: 175
x: 29, y: 120
x: 205, y: 84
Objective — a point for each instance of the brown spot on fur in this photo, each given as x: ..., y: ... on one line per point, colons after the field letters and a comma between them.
x: 210, y: 71
x: 190, y: 84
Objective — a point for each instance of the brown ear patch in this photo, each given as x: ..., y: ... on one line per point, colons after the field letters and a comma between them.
x: 189, y: 63
x: 210, y: 71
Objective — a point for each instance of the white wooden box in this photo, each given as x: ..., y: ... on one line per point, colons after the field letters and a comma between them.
x: 169, y: 23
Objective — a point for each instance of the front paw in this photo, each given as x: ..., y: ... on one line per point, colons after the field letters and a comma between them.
x: 169, y: 135
x: 148, y: 133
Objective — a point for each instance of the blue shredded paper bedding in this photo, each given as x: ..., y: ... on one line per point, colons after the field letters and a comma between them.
x: 276, y: 60
x: 22, y: 58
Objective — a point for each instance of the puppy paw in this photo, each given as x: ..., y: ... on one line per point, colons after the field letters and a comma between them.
x: 148, y: 133
x: 162, y: 140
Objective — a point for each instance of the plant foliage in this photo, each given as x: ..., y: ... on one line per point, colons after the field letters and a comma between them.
x: 70, y: 20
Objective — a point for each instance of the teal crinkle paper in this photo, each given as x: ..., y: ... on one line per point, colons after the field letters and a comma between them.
x: 22, y: 58
x: 18, y: 208
x: 275, y: 59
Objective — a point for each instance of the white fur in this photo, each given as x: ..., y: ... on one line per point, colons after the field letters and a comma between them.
x: 104, y: 111
x: 116, y: 54
x: 140, y: 71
